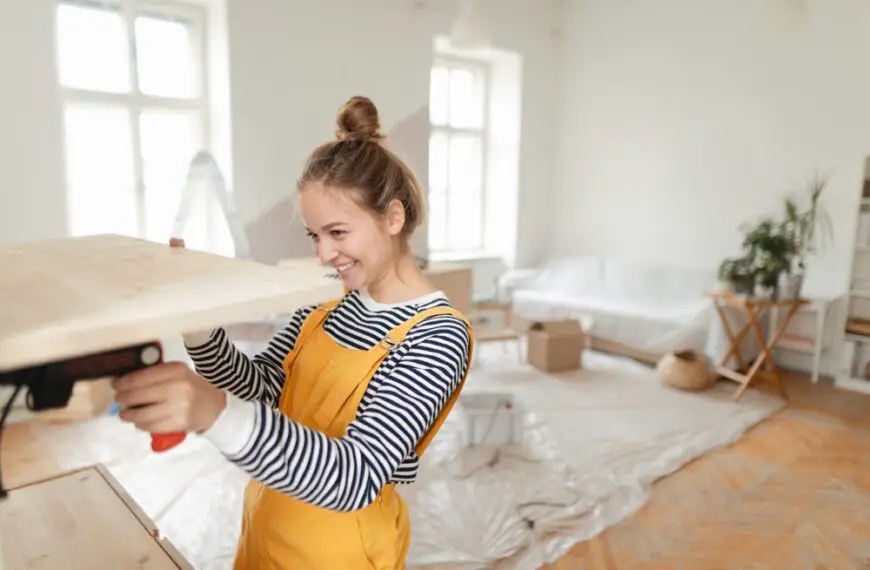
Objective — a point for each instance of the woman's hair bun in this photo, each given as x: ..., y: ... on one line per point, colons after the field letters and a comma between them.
x: 358, y: 120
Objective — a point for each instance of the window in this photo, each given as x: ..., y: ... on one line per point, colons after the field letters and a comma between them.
x: 457, y: 157
x: 135, y: 113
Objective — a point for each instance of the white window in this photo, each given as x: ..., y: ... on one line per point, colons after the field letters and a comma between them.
x: 135, y: 113
x: 457, y: 157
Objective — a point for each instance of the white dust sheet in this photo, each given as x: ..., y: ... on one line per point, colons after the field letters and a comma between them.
x: 593, y: 443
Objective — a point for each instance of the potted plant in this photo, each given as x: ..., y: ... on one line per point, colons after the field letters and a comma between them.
x: 807, y: 230
x: 775, y: 250
x: 738, y: 275
x: 771, y: 248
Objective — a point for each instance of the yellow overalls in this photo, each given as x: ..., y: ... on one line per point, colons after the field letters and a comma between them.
x: 324, y: 385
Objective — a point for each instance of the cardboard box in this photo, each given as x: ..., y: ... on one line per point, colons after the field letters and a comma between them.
x: 555, y: 346
x: 455, y: 280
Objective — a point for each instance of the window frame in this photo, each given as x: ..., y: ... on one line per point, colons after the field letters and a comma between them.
x: 136, y: 102
x: 482, y: 70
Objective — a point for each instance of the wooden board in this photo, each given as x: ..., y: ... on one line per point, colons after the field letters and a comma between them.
x: 74, y: 296
x: 79, y: 520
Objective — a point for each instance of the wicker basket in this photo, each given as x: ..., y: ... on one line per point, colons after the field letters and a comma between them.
x: 685, y: 370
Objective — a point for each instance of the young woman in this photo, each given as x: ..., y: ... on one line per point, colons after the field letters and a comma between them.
x: 338, y: 408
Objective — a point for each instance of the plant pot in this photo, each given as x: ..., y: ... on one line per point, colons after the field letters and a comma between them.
x: 742, y: 285
x: 762, y: 291
x: 789, y: 286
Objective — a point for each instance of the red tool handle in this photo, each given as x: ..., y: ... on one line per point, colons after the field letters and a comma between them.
x: 166, y: 441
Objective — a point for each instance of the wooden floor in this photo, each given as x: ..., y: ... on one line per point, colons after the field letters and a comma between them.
x: 792, y: 494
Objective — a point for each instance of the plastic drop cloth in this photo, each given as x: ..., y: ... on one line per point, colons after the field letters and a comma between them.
x: 592, y: 442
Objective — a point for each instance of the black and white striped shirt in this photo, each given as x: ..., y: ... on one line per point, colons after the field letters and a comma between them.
x: 402, y: 400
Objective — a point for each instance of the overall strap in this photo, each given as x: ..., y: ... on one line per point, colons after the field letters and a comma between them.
x: 339, y: 394
x: 397, y: 335
x: 311, y: 323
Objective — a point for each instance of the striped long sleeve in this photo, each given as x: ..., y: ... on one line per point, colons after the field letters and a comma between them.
x: 258, y: 378
x: 404, y: 397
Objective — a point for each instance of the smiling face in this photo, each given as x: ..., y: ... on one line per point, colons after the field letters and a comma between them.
x: 359, y: 245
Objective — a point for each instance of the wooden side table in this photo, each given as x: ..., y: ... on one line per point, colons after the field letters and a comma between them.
x: 506, y: 331
x: 753, y: 308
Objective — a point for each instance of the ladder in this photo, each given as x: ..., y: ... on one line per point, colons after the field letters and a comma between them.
x: 205, y: 175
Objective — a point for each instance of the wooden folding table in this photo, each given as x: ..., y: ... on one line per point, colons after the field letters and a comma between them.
x: 753, y: 308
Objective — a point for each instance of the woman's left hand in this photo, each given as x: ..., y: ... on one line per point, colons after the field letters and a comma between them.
x: 168, y: 398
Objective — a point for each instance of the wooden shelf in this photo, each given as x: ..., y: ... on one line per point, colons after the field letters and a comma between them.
x: 858, y: 327
x: 809, y: 343
x: 796, y: 343
x: 856, y: 334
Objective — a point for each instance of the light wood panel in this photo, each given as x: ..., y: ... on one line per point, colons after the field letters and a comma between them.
x: 80, y: 520
x: 73, y: 296
x: 23, y: 457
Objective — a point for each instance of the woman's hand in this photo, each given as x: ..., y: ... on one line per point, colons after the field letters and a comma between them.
x: 168, y: 398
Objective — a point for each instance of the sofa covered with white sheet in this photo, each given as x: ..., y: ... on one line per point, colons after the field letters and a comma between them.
x: 647, y: 308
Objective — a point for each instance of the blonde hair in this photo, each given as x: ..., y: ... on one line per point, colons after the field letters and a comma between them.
x: 357, y: 162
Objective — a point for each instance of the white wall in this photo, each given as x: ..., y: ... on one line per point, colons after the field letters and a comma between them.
x: 32, y: 200
x: 293, y: 63
x: 682, y: 119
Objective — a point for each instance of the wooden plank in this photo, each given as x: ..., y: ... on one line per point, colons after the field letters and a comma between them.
x: 731, y: 374
x: 25, y: 454
x: 144, y: 519
x: 79, y: 520
x: 76, y: 296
